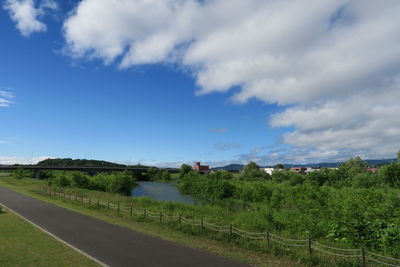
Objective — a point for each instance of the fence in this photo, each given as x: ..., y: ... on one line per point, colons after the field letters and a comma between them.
x: 365, y: 257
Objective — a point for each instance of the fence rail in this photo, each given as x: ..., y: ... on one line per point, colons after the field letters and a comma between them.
x: 364, y: 256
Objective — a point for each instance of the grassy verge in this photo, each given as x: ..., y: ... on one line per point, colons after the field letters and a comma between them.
x: 188, y: 237
x: 21, y: 244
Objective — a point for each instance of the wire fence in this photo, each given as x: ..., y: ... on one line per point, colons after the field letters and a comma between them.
x: 365, y: 257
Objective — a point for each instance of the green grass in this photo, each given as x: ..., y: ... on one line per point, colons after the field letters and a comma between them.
x: 187, y: 236
x: 22, y: 244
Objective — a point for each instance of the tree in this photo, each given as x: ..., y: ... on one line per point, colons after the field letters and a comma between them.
x: 398, y: 156
x: 279, y: 166
x: 353, y: 166
x: 251, y: 166
x: 80, y: 179
x: 185, y: 169
x: 122, y: 182
x: 390, y: 174
x: 252, y: 172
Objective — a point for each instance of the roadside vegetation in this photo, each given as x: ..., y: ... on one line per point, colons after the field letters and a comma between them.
x: 21, y: 244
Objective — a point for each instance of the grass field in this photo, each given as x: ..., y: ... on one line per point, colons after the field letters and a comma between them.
x: 31, y: 186
x: 22, y: 244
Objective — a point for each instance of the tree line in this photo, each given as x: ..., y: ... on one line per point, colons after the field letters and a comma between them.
x: 349, y: 204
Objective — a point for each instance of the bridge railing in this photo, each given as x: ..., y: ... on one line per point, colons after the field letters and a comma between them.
x: 365, y: 257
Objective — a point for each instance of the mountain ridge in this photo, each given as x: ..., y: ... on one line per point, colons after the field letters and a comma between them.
x: 371, y: 163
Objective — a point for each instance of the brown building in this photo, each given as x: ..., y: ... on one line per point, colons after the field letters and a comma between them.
x: 201, y: 168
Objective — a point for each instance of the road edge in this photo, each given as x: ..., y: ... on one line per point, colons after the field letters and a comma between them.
x: 56, y: 237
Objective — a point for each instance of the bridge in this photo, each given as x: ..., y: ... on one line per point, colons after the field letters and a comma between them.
x: 90, y: 170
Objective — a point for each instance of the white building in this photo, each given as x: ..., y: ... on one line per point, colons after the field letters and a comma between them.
x: 309, y: 169
x: 270, y: 171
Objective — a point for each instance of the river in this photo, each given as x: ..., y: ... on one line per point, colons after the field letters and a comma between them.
x: 161, y: 192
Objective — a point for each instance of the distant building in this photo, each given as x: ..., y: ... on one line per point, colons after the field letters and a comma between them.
x: 298, y: 169
x: 309, y: 169
x: 372, y: 169
x: 270, y: 171
x: 201, y: 168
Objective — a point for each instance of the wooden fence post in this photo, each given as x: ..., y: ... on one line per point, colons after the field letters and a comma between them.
x: 131, y: 211
x: 202, y: 224
x: 98, y: 203
x: 161, y: 217
x: 90, y: 202
x: 118, y: 207
x: 230, y: 229
x: 267, y: 236
x: 363, y: 262
x: 144, y: 213
x: 180, y: 219
x: 309, y: 244
x: 108, y: 205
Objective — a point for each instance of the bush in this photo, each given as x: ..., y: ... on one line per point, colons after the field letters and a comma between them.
x: 80, y: 180
x: 62, y: 180
x: 21, y: 173
x: 121, y: 182
x: 390, y: 174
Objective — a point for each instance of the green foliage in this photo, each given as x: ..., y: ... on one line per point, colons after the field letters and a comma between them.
x: 61, y: 180
x: 155, y: 174
x: 21, y: 173
x: 390, y: 174
x: 348, y: 205
x: 80, y: 179
x: 252, y: 172
x: 119, y: 182
x: 78, y: 163
x: 221, y: 175
x: 353, y: 167
x: 279, y: 166
x: 206, y: 186
x: 184, y: 170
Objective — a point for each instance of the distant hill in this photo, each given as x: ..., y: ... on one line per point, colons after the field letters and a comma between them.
x: 78, y: 163
x: 371, y: 163
x: 230, y: 167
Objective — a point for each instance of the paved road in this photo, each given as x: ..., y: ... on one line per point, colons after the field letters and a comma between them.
x: 108, y: 243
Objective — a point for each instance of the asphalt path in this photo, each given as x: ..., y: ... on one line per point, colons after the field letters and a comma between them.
x: 110, y: 244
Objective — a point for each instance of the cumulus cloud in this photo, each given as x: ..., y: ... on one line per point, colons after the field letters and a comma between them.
x: 5, y: 98
x: 27, y: 14
x: 333, y: 65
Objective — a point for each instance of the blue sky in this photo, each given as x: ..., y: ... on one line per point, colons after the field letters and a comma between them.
x: 130, y: 85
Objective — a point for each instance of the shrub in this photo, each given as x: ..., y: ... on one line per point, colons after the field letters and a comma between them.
x: 21, y: 173
x: 80, y: 179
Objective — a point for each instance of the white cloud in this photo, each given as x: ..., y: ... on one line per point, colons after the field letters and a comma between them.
x: 26, y: 14
x: 5, y: 98
x: 334, y: 65
x: 4, y: 160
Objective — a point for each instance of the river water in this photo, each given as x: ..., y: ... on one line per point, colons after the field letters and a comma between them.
x: 161, y: 192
